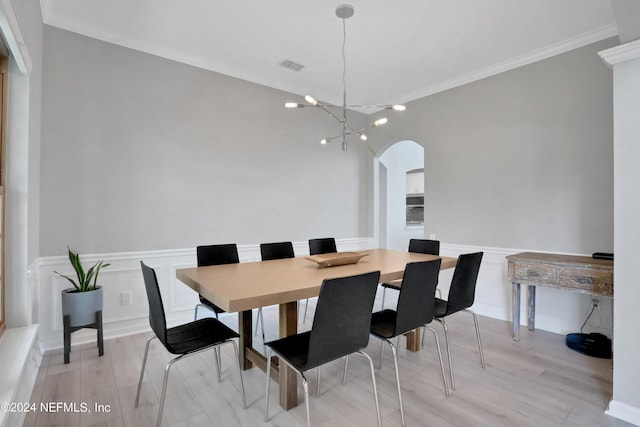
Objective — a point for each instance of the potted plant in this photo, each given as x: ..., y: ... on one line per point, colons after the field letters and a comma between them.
x: 84, y: 300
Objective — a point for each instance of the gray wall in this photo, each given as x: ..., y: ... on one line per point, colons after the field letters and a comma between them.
x: 142, y: 153
x: 523, y: 159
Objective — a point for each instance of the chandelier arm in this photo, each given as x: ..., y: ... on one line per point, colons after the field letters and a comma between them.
x: 329, y: 112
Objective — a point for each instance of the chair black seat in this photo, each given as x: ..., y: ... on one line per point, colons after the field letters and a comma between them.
x: 196, y: 335
x: 295, y: 349
x: 440, y: 309
x: 391, y: 285
x: 383, y: 323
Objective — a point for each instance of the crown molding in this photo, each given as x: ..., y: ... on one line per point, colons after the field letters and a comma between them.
x: 622, y: 53
x: 519, y: 61
x: 215, y: 66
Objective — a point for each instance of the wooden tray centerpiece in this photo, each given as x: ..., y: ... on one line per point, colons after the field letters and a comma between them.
x: 336, y: 258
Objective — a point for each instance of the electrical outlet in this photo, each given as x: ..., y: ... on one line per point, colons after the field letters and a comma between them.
x: 126, y: 298
x: 595, y: 302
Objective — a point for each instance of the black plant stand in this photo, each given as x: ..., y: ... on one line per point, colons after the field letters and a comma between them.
x: 68, y: 330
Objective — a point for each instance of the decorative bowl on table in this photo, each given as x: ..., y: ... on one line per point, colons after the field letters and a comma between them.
x: 336, y: 258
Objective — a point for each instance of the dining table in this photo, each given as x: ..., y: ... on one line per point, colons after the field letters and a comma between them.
x: 246, y: 286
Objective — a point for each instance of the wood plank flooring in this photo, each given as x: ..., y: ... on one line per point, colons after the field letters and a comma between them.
x: 536, y: 382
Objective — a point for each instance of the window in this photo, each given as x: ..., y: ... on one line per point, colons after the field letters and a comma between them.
x: 415, y: 197
x: 3, y: 98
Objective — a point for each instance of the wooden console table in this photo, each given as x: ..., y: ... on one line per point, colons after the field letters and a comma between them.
x: 567, y: 272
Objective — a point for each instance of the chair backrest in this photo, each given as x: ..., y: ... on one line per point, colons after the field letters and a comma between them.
x: 463, y: 284
x: 217, y: 254
x: 325, y: 245
x: 156, y: 309
x: 342, y: 320
x: 278, y: 250
x: 417, y: 297
x: 424, y: 246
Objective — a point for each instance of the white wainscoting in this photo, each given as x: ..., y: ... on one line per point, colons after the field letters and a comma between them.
x: 557, y: 311
x: 124, y: 276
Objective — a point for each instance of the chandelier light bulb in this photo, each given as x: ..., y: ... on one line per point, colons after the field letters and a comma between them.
x: 323, y: 141
x: 311, y: 100
x: 291, y: 105
x: 363, y: 137
x: 381, y: 121
x: 399, y: 107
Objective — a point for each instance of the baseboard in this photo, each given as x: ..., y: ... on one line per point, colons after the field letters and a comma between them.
x: 624, y: 412
x: 20, y: 360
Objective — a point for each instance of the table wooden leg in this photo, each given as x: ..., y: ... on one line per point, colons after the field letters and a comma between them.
x: 246, y: 334
x: 413, y: 340
x: 288, y: 377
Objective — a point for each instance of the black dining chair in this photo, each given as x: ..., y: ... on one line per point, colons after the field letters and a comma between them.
x: 269, y: 252
x: 415, y: 309
x: 207, y: 255
x: 340, y: 327
x: 184, y: 340
x: 214, y: 255
x: 325, y: 245
x: 420, y: 246
x: 461, y: 297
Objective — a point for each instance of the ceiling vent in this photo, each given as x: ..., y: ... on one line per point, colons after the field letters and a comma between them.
x: 291, y: 65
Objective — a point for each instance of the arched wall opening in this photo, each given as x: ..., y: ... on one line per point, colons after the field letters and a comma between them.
x: 394, y: 224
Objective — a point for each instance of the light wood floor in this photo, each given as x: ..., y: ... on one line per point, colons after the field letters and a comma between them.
x: 536, y: 382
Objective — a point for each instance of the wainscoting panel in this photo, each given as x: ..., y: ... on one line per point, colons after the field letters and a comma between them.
x: 557, y: 311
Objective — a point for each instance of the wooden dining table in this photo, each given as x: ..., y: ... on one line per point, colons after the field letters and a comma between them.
x: 250, y: 285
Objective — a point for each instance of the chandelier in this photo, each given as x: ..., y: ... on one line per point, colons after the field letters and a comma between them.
x: 339, y: 112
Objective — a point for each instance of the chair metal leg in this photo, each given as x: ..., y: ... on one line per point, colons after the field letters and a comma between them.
x: 306, y: 306
x: 216, y: 355
x: 446, y: 340
x: 395, y: 365
x: 266, y: 394
x: 381, y: 354
x: 244, y: 397
x: 164, y: 389
x: 257, y: 320
x: 444, y: 379
x: 318, y: 381
x: 305, y: 387
x: 260, y: 318
x: 144, y: 364
x: 346, y: 365
x: 384, y: 292
x: 195, y: 314
x: 475, y: 322
x: 375, y: 389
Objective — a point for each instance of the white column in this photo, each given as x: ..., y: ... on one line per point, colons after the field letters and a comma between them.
x: 625, y: 61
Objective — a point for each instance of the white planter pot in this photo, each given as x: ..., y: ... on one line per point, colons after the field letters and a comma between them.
x: 81, y: 306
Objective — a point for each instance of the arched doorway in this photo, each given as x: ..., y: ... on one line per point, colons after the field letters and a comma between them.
x: 395, y: 172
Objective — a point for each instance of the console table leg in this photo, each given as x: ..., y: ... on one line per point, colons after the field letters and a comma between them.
x: 515, y: 314
x: 531, y: 307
